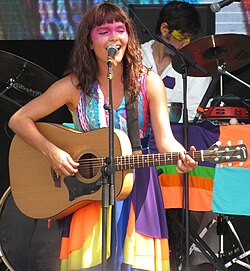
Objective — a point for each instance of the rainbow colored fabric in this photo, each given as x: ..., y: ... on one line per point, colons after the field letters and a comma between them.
x: 223, y: 189
x: 137, y: 234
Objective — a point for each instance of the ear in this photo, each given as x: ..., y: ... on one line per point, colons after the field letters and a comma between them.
x: 91, y: 45
x: 164, y: 29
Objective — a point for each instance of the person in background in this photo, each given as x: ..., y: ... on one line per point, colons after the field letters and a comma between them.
x: 177, y: 24
x: 139, y: 244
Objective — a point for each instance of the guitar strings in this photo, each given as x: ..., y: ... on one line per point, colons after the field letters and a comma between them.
x: 97, y: 162
x: 127, y: 161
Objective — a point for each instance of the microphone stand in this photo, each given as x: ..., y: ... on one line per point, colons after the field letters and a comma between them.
x: 108, y: 170
x: 185, y: 176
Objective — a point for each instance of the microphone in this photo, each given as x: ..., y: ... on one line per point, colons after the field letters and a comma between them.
x: 217, y: 6
x: 208, y: 94
x: 112, y: 49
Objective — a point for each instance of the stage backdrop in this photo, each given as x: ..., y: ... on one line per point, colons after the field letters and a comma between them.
x: 58, y: 19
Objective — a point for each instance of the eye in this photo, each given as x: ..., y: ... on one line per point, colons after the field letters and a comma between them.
x: 121, y: 30
x: 103, y: 32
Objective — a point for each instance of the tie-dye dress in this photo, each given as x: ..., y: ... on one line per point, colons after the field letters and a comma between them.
x: 137, y: 236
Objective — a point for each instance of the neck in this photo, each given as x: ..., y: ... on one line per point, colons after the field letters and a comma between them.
x: 160, y: 51
x: 161, y: 56
x: 103, y: 72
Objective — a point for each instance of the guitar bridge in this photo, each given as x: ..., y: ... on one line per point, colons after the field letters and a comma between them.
x: 56, y: 178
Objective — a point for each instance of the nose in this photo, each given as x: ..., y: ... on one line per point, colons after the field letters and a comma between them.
x: 113, y: 35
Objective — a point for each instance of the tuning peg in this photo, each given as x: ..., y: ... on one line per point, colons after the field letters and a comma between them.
x: 218, y: 143
x: 229, y: 143
x: 240, y: 141
x: 241, y: 164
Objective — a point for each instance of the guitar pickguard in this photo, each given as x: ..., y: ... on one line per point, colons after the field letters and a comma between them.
x: 77, y: 188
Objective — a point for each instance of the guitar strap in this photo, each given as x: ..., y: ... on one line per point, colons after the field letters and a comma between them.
x: 132, y: 122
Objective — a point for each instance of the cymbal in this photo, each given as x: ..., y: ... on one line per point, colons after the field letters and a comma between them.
x: 232, y: 51
x: 21, y: 80
x: 33, y: 78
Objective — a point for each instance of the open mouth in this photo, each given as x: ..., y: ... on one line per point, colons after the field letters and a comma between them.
x: 115, y: 47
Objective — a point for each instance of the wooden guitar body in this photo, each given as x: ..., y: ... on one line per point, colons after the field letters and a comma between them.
x: 39, y: 193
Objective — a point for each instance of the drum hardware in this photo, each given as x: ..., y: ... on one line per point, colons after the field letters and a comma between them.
x: 222, y: 71
x: 224, y: 224
x: 193, y: 247
x: 223, y: 111
x: 198, y: 244
x: 225, y: 254
x: 238, y: 260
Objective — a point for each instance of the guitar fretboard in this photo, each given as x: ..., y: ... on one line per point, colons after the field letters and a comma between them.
x: 150, y: 160
x: 213, y: 155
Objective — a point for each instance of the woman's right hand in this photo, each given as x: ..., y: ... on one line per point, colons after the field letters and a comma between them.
x: 62, y: 162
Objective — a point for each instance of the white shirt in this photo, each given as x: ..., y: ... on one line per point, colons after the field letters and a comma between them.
x: 196, y: 86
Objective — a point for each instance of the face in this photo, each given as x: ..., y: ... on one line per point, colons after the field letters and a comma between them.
x: 104, y: 35
x: 175, y: 38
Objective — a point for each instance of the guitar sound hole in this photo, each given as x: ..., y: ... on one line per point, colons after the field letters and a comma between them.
x: 89, y: 166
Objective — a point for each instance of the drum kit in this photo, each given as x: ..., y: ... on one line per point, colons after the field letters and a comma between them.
x: 218, y: 56
x: 27, y: 244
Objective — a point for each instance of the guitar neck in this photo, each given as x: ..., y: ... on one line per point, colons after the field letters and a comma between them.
x: 215, y: 155
x: 152, y: 160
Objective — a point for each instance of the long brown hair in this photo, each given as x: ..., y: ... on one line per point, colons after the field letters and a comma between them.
x: 83, y: 61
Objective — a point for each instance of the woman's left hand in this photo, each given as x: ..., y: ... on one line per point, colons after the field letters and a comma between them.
x: 186, y: 163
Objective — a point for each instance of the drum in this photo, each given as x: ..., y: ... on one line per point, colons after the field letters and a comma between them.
x: 25, y: 243
x: 175, y: 111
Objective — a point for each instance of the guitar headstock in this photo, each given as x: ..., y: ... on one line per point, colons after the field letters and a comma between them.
x: 221, y: 154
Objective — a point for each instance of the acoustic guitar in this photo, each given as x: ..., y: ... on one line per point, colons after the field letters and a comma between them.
x: 39, y: 193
